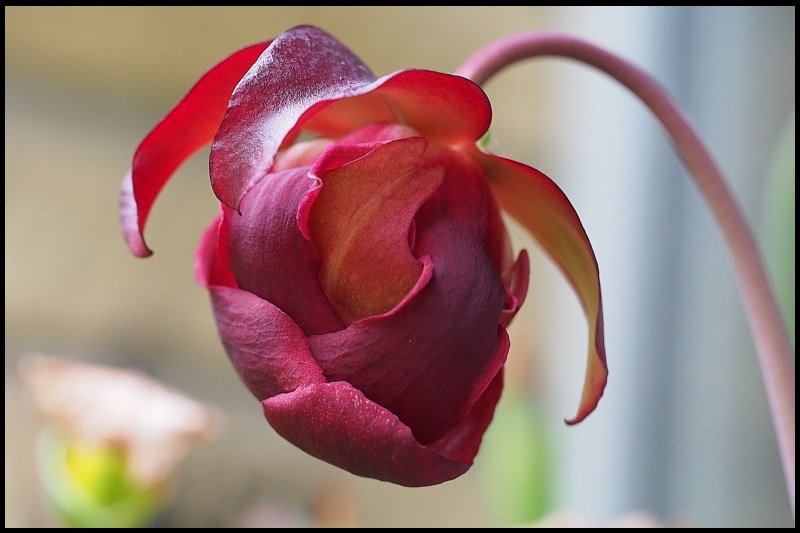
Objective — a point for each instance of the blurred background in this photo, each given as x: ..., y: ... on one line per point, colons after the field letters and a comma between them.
x: 683, y: 434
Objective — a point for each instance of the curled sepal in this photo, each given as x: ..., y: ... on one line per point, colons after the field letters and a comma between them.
x: 185, y: 130
x: 541, y: 207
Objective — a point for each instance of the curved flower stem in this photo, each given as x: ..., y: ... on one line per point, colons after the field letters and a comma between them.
x: 769, y: 332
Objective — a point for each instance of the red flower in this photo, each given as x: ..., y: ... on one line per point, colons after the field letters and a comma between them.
x: 359, y: 271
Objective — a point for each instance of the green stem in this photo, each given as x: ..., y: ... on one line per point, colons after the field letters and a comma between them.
x: 768, y: 330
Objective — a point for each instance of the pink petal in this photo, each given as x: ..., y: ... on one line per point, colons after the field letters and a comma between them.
x: 336, y: 423
x: 539, y: 205
x: 187, y: 128
x: 359, y: 223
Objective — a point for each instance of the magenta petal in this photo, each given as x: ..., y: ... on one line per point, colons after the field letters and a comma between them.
x: 445, y: 109
x: 306, y: 78
x: 266, y: 347
x: 187, y: 128
x: 359, y: 223
x: 441, y: 345
x: 338, y: 424
x: 270, y: 257
x: 516, y: 282
x: 211, y: 266
x: 463, y: 441
x: 301, y: 67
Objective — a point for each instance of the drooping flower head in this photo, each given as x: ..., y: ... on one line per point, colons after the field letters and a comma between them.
x: 360, y: 273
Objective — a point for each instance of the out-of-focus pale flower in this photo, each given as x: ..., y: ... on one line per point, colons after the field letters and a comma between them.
x: 113, y: 438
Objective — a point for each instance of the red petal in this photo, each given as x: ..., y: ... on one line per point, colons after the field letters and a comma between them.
x: 187, y: 128
x: 212, y: 265
x: 306, y: 78
x: 446, y: 109
x: 271, y: 258
x: 431, y: 358
x: 336, y: 423
x: 301, y: 67
x: 463, y: 441
x: 268, y: 350
x: 539, y: 205
x: 515, y: 280
x: 359, y: 223
x: 266, y: 347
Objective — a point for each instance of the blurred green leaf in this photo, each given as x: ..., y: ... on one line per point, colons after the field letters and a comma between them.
x: 514, y: 462
x: 778, y: 228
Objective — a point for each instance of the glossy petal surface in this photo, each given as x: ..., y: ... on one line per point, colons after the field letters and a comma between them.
x: 301, y: 67
x: 304, y: 72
